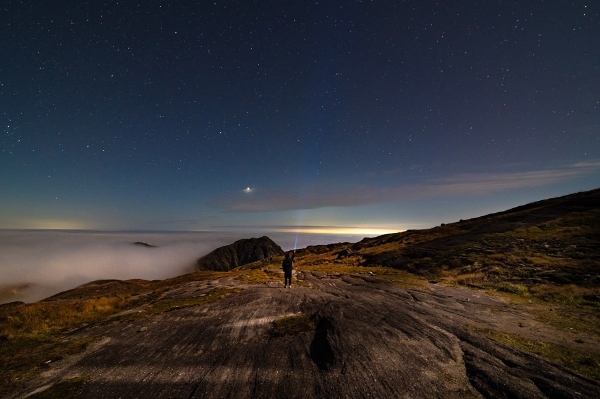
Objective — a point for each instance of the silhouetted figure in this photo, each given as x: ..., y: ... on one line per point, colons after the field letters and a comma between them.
x: 288, y: 266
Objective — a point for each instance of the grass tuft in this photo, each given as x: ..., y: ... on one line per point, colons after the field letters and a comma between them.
x: 293, y: 325
x: 516, y: 289
x: 581, y: 362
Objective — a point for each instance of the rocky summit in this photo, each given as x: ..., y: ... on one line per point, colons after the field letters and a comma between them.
x: 503, y: 306
x: 239, y: 253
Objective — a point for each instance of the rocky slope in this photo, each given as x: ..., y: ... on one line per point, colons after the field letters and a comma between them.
x: 337, y: 336
x: 501, y: 306
x: 556, y: 241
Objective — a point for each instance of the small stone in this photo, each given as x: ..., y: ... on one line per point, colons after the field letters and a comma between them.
x: 142, y: 329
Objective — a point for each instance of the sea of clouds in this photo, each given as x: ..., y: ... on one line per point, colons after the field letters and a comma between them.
x: 37, y: 264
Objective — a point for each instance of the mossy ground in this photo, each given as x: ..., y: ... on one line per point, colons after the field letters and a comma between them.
x: 293, y: 325
x: 577, y: 360
x: 22, y: 358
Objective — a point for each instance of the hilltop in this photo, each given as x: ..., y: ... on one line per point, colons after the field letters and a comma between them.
x: 555, y: 241
x: 239, y: 253
x: 505, y: 305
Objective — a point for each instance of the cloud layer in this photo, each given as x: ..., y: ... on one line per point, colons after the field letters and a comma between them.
x: 37, y: 264
x: 56, y: 261
x: 461, y: 184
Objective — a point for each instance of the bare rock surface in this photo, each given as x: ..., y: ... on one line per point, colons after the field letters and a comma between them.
x: 364, y: 338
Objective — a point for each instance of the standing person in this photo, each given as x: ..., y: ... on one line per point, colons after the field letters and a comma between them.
x: 288, y: 266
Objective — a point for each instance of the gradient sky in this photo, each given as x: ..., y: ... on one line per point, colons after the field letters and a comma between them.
x: 257, y: 115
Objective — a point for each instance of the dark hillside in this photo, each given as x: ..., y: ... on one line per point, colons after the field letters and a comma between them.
x: 239, y: 253
x: 552, y: 241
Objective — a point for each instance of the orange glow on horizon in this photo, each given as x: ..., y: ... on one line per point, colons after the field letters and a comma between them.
x: 52, y: 224
x: 359, y: 231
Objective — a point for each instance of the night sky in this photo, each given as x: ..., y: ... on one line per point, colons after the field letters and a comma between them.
x: 262, y: 115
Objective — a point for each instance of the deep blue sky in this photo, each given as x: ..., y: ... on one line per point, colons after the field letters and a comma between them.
x: 393, y: 115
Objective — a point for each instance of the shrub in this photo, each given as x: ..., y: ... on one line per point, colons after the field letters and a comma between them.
x: 516, y: 289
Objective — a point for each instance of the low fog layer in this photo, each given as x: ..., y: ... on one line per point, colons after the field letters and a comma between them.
x: 50, y: 262
x: 37, y: 264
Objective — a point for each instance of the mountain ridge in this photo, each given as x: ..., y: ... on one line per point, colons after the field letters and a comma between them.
x: 497, y: 306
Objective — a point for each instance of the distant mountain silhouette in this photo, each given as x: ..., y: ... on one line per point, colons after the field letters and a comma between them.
x: 239, y: 253
x: 144, y: 244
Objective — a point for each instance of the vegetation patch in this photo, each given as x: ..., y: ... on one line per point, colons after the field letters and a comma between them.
x: 569, y: 295
x: 42, y: 318
x: 66, y: 389
x: 259, y: 276
x: 551, y: 242
x: 583, y: 363
x: 577, y: 320
x: 516, y: 289
x: 22, y: 358
x: 293, y: 325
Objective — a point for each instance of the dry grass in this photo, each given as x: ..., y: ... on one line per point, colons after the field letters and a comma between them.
x: 567, y: 318
x: 569, y: 294
x: 314, y: 259
x: 259, y: 276
x: 29, y: 339
x: 41, y: 318
x: 476, y: 278
x: 293, y: 325
x: 582, y: 362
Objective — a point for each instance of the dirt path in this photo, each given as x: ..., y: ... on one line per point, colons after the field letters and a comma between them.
x: 369, y: 339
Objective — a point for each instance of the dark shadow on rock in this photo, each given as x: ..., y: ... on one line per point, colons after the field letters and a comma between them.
x: 320, y: 348
x: 551, y: 389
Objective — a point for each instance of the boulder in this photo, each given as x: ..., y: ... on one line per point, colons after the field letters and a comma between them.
x: 344, y: 253
x: 239, y: 253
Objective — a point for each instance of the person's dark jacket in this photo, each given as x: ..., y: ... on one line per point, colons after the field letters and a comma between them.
x: 288, y: 264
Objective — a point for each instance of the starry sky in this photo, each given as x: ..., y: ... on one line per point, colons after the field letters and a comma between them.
x: 322, y: 116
